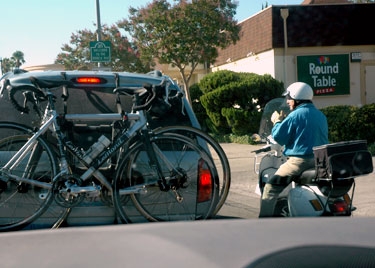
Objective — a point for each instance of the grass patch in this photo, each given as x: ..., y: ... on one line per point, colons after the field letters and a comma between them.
x: 230, y: 138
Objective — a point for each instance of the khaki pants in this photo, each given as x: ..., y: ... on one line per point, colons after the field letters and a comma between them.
x: 294, y: 166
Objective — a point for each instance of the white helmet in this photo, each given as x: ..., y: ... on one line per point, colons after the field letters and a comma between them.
x: 299, y: 91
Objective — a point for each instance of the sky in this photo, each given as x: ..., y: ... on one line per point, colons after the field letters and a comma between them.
x: 39, y: 28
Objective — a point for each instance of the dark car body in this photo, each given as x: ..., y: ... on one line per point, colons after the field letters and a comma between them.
x: 95, y: 97
x: 87, y: 97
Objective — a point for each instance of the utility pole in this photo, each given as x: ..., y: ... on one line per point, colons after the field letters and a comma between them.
x: 284, y: 14
x: 99, y: 27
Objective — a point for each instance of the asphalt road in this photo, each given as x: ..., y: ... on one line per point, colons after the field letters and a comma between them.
x: 242, y: 202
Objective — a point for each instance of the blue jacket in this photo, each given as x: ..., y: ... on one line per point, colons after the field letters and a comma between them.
x: 304, y: 128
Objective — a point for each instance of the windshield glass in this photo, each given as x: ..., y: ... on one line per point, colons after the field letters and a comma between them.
x: 278, y: 104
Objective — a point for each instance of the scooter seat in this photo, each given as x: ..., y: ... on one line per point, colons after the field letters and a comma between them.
x: 308, y: 176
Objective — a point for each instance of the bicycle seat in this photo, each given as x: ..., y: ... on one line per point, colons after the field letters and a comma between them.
x: 50, y: 84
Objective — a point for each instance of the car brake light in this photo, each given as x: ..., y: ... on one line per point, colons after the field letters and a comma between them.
x: 89, y: 80
x: 204, y: 182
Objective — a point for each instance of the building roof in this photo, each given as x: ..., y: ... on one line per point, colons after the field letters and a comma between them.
x: 324, y: 2
x: 308, y: 25
x: 45, y: 67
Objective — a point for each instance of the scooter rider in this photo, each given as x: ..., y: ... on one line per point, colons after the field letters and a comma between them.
x: 304, y: 128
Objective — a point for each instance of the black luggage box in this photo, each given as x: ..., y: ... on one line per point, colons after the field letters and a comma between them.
x: 342, y: 160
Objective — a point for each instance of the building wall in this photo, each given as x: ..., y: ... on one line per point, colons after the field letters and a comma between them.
x: 362, y: 74
x: 263, y: 63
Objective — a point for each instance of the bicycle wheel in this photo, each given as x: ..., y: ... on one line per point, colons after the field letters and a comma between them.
x: 189, y: 171
x: 21, y: 202
x: 214, y: 149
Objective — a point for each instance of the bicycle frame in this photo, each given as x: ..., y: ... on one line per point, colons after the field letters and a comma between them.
x: 50, y: 119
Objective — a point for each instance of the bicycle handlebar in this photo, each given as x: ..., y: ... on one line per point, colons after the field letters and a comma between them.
x: 30, y: 93
x: 155, y: 91
x: 34, y: 94
x: 262, y: 150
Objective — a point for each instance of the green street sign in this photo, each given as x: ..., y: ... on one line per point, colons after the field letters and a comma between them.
x: 100, y: 51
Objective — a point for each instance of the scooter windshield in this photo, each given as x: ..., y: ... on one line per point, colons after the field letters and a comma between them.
x: 278, y: 104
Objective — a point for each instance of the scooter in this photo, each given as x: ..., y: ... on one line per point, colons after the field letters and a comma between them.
x: 326, y: 190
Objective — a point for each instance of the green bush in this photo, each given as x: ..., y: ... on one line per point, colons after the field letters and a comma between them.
x: 234, y: 101
x: 215, y: 80
x: 242, y: 122
x: 365, y: 122
x: 347, y: 122
x: 339, y: 119
x: 200, y: 112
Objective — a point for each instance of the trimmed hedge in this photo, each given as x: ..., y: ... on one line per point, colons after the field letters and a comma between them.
x: 347, y: 122
x: 234, y: 101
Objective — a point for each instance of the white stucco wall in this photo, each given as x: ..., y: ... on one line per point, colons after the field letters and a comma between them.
x: 256, y: 63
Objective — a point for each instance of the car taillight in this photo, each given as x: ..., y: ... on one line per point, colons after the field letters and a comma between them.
x: 204, y: 182
x: 89, y: 80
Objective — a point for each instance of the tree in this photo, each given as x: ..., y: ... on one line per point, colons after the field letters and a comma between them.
x: 7, y: 65
x: 184, y: 34
x: 18, y: 58
x: 124, y: 56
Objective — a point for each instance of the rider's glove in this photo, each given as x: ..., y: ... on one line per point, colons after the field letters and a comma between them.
x: 277, y: 117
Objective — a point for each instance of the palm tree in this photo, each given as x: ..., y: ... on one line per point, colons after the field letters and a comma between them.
x: 7, y: 65
x: 18, y: 57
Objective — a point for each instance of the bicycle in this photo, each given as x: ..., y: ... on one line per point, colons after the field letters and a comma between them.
x: 216, y: 151
x: 171, y: 176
